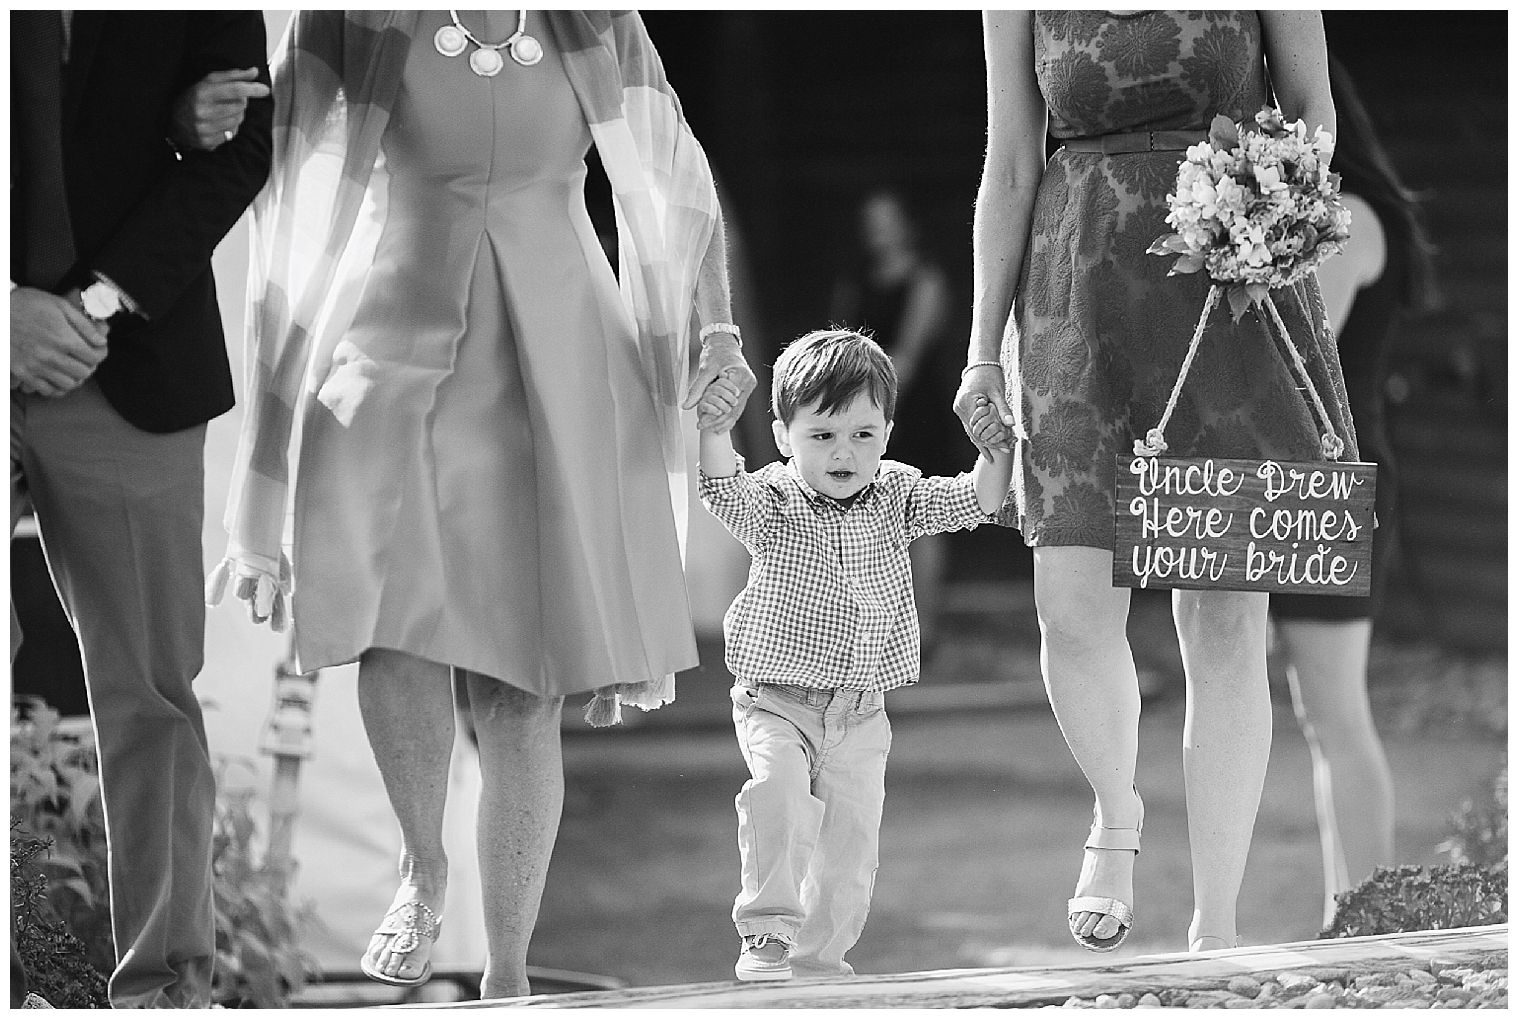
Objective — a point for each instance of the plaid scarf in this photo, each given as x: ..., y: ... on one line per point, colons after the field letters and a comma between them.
x: 316, y: 226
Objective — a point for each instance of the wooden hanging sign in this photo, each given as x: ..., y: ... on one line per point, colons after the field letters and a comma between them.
x: 1205, y: 523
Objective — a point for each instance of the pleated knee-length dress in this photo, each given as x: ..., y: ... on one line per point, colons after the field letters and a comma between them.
x: 1101, y: 330
x: 502, y: 504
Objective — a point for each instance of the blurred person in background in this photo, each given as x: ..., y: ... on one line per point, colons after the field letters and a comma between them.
x: 491, y: 469
x: 900, y: 295
x: 1384, y: 271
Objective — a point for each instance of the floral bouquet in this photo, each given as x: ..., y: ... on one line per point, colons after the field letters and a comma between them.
x: 1256, y: 208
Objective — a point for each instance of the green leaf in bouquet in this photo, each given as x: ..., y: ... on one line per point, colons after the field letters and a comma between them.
x: 1161, y: 245
x: 1238, y: 301
x: 1223, y: 134
x: 1174, y: 244
x: 1187, y: 264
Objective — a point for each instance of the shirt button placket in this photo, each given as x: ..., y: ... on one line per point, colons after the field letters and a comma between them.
x: 855, y: 536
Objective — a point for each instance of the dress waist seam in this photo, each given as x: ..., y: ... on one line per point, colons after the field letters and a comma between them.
x: 1124, y: 142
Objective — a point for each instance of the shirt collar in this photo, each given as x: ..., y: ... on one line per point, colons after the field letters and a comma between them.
x: 817, y: 499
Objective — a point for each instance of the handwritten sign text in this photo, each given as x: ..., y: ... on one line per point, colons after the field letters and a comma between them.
x: 1244, y: 525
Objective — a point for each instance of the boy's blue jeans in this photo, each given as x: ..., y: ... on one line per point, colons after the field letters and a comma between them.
x: 809, y: 817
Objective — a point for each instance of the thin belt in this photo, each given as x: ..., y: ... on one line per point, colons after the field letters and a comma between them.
x: 1136, y: 141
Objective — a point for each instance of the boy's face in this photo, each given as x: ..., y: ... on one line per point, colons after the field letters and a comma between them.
x: 836, y: 453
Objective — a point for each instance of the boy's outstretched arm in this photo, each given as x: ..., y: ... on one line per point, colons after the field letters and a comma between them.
x: 718, y: 458
x: 992, y: 474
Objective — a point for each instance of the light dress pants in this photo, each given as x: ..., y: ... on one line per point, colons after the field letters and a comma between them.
x: 119, y: 511
x: 809, y: 817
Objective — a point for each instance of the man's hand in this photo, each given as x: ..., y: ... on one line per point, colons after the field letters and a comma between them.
x: 721, y: 358
x: 208, y: 114
x: 54, y: 345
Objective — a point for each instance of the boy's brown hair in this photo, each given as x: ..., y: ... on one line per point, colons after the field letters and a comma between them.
x: 830, y: 367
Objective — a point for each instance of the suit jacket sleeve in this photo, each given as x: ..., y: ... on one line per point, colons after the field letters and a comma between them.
x: 167, y: 240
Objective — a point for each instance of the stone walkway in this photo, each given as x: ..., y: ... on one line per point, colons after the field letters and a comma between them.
x: 1298, y: 972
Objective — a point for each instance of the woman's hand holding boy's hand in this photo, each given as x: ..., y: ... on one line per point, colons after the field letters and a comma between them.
x: 993, y: 470
x: 721, y: 402
x: 981, y: 386
x: 986, y: 429
x: 721, y: 359
x: 717, y: 410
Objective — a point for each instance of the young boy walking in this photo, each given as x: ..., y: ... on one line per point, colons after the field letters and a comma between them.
x: 824, y: 627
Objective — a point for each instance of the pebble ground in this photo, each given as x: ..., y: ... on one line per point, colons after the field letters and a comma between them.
x: 1426, y: 984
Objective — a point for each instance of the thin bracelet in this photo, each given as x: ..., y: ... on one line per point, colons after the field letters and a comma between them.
x: 978, y: 364
x: 721, y: 327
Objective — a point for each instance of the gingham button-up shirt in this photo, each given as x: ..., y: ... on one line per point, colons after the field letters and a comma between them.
x: 828, y: 603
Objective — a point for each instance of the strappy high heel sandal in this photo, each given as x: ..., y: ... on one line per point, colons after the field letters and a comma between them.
x: 1122, y: 912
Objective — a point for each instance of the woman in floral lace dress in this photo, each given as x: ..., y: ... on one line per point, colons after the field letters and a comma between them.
x: 1096, y: 338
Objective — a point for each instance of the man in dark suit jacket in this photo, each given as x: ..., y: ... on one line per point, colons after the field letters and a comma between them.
x: 117, y: 362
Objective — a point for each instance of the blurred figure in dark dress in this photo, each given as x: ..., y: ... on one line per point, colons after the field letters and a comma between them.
x: 1384, y: 272
x: 899, y: 294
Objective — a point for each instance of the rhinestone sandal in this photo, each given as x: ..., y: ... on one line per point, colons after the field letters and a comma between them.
x: 406, y: 925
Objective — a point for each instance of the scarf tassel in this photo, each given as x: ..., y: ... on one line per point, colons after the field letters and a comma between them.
x: 604, y: 709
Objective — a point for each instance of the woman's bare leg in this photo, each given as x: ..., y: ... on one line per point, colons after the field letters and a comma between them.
x: 1226, y: 745
x: 521, y: 798
x: 1093, y: 689
x: 407, y: 707
x: 1352, y: 783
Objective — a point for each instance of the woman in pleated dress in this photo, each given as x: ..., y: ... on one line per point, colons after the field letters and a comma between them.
x: 489, y: 477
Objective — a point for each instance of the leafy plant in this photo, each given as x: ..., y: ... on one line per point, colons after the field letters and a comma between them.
x: 258, y: 959
x: 57, y: 964
x: 1470, y: 891
x: 1395, y: 900
x: 1479, y: 834
x: 55, y: 795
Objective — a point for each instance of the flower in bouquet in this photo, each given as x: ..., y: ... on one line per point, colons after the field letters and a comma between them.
x: 1256, y: 208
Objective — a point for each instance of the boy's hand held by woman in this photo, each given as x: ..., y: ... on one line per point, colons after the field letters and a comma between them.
x: 721, y: 355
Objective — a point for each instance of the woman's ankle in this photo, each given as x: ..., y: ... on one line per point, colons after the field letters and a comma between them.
x: 428, y: 876
x: 1125, y: 811
x: 512, y: 986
